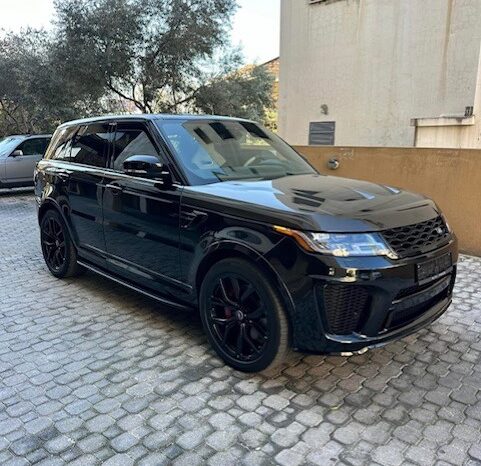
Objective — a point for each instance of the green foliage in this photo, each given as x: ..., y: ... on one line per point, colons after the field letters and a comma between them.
x: 34, y: 96
x: 123, y: 56
x: 245, y: 94
x: 150, y: 52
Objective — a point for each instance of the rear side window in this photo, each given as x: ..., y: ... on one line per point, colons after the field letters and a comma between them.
x: 90, y: 146
x: 131, y: 141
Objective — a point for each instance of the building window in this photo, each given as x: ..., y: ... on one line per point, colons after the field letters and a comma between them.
x: 322, y: 133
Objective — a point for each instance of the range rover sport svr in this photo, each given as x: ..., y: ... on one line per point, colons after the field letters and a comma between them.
x: 221, y: 215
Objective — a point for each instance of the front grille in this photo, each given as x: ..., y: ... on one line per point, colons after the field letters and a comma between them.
x: 346, y: 307
x: 412, y: 240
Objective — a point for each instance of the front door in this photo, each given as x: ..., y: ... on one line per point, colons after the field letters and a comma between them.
x: 141, y: 216
x: 20, y: 168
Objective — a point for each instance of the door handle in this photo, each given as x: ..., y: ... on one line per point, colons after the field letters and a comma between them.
x: 115, y: 188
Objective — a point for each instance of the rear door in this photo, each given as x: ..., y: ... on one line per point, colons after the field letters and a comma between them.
x: 141, y: 216
x: 20, y: 168
x: 88, y: 161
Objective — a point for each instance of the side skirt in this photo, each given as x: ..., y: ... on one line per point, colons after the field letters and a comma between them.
x: 105, y: 274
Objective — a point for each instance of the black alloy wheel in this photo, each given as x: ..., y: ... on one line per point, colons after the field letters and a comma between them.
x: 243, y: 316
x: 53, y: 243
x: 57, y: 247
x: 238, y: 317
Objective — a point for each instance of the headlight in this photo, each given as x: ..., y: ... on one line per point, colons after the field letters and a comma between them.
x: 339, y: 244
x: 448, y: 226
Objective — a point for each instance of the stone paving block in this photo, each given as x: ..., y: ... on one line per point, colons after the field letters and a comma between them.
x: 193, y: 438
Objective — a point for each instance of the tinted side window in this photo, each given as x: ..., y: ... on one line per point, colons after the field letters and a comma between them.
x: 44, y: 142
x: 130, y: 141
x: 36, y: 146
x: 62, y: 144
x: 90, y: 145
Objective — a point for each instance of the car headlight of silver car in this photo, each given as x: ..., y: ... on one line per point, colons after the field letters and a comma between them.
x: 341, y: 244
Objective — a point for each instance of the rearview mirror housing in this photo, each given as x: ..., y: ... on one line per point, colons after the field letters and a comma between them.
x: 147, y: 166
x: 16, y: 153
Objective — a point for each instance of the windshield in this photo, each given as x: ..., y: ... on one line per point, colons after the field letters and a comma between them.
x: 224, y: 150
x: 8, y: 144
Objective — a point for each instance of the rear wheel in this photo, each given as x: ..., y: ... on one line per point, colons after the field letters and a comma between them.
x: 243, y: 316
x: 58, y: 249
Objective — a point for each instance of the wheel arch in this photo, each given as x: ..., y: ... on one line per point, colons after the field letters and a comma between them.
x: 50, y: 204
x: 233, y: 249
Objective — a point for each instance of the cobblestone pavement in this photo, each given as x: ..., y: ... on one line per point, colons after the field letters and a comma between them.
x: 92, y: 373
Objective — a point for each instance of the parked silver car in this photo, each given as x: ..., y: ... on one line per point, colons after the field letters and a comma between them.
x: 19, y: 155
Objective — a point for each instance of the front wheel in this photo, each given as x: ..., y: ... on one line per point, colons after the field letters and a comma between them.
x: 57, y: 247
x: 243, y: 316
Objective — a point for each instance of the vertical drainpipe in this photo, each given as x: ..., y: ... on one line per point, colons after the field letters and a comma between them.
x: 477, y: 106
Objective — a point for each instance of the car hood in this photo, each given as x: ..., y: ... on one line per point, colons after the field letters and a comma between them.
x: 315, y: 203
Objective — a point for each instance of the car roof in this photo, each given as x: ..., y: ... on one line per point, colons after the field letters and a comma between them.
x: 28, y: 136
x: 149, y: 116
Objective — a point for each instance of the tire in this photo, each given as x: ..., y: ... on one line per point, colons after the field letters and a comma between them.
x: 58, y: 249
x: 244, y: 316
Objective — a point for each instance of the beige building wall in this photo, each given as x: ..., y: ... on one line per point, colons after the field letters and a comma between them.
x: 373, y: 66
x: 452, y: 132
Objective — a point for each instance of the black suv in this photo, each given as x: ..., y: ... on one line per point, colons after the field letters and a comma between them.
x: 221, y: 215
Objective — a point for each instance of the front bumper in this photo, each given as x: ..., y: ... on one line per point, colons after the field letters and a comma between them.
x: 358, y: 343
x: 346, y: 305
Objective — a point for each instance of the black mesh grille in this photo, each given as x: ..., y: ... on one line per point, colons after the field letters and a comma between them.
x: 345, y: 306
x: 412, y: 240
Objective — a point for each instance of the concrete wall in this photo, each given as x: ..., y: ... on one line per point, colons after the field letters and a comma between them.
x: 450, y: 136
x: 376, y: 64
x: 451, y: 177
x: 451, y: 132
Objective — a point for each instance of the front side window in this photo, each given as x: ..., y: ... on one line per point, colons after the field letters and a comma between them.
x: 36, y: 146
x: 223, y: 150
x: 131, y: 140
x: 90, y: 145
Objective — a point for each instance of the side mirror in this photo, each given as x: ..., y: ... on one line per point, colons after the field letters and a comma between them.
x: 147, y: 166
x: 16, y: 153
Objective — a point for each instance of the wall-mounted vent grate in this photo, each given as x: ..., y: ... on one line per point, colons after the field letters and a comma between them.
x: 322, y: 133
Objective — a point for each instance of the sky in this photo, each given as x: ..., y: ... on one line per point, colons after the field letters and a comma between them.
x: 255, y: 25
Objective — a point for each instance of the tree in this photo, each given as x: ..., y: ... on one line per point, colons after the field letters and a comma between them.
x: 246, y: 93
x: 20, y: 60
x: 127, y: 55
x: 34, y: 96
x: 149, y: 52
